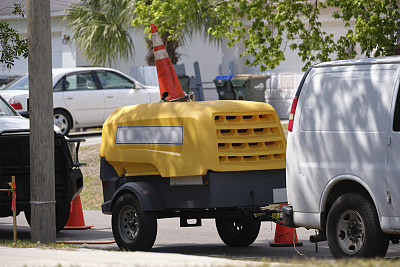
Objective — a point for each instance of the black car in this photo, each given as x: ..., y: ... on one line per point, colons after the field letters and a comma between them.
x: 15, y: 161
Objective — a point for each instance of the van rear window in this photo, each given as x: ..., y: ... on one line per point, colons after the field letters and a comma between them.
x: 396, y: 119
x: 354, y: 100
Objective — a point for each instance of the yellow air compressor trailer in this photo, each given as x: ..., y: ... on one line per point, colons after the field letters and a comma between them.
x: 192, y: 160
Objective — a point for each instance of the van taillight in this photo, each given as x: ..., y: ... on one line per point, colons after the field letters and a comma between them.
x: 291, y: 116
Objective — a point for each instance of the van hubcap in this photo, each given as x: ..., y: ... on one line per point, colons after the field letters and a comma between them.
x: 350, y: 232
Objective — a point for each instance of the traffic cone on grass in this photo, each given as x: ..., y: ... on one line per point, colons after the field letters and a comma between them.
x: 285, y: 236
x: 170, y: 88
x: 76, y: 220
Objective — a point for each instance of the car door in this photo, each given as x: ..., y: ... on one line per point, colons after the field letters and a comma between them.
x: 393, y: 166
x: 120, y: 91
x: 84, y: 99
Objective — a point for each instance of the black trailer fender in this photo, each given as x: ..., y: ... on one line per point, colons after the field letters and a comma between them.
x: 148, y: 196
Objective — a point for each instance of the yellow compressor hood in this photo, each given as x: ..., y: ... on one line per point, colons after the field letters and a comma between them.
x: 174, y: 139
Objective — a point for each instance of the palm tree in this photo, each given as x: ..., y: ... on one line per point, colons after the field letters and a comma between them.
x: 100, y: 29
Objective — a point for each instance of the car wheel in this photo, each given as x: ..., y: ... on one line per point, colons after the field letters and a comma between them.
x: 353, y: 228
x: 238, y: 232
x: 63, y: 121
x: 133, y: 228
x: 62, y: 216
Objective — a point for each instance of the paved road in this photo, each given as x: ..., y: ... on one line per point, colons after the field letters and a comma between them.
x: 194, y: 241
x: 174, y: 246
x: 91, y: 137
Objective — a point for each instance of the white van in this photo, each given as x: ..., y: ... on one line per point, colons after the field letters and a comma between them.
x: 343, y: 156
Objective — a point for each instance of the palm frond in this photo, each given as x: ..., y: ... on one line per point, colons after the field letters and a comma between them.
x: 100, y: 29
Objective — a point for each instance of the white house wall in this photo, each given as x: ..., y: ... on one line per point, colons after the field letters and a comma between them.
x: 139, y: 54
x: 214, y: 60
x: 209, y: 56
x: 63, y: 55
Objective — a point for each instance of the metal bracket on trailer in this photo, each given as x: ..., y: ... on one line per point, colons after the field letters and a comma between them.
x: 269, y: 215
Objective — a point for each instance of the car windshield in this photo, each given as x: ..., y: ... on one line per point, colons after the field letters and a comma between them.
x: 5, y: 110
x: 21, y: 83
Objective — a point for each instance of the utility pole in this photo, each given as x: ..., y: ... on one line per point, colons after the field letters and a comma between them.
x: 42, y: 172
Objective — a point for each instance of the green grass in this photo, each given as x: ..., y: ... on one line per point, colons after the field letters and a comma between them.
x: 30, y: 244
x: 92, y: 193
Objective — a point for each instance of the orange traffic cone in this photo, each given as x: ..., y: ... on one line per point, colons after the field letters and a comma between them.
x: 170, y: 88
x: 285, y: 236
x: 76, y: 220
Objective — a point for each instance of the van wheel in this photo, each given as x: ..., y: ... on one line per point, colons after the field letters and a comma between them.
x: 238, y: 232
x: 63, y: 120
x: 353, y: 228
x: 133, y: 228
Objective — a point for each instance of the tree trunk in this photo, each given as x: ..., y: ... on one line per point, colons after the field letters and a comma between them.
x: 42, y: 172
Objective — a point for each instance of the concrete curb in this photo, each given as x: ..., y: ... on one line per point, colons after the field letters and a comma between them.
x: 15, y: 257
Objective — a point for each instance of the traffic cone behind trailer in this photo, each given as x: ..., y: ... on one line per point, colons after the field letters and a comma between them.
x: 285, y: 236
x: 170, y: 88
x: 76, y: 220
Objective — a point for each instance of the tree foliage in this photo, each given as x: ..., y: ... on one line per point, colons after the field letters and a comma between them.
x: 11, y: 45
x: 269, y: 27
x: 180, y: 18
x: 100, y: 29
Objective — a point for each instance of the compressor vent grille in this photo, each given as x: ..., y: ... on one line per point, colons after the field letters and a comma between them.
x: 249, y: 139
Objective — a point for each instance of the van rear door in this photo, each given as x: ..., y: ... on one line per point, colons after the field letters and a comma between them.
x: 393, y: 171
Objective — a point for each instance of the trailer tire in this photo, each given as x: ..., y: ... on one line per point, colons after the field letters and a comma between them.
x: 238, y: 232
x: 133, y: 228
x: 353, y: 228
x: 62, y: 216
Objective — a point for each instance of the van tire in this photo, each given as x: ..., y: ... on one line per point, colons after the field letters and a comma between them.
x: 133, y: 228
x: 353, y: 228
x: 238, y: 232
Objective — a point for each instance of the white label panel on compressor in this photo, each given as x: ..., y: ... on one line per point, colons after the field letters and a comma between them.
x: 165, y: 135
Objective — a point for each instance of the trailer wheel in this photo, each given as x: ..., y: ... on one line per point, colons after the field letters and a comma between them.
x: 133, y: 228
x: 62, y: 216
x: 238, y: 232
x: 353, y: 228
